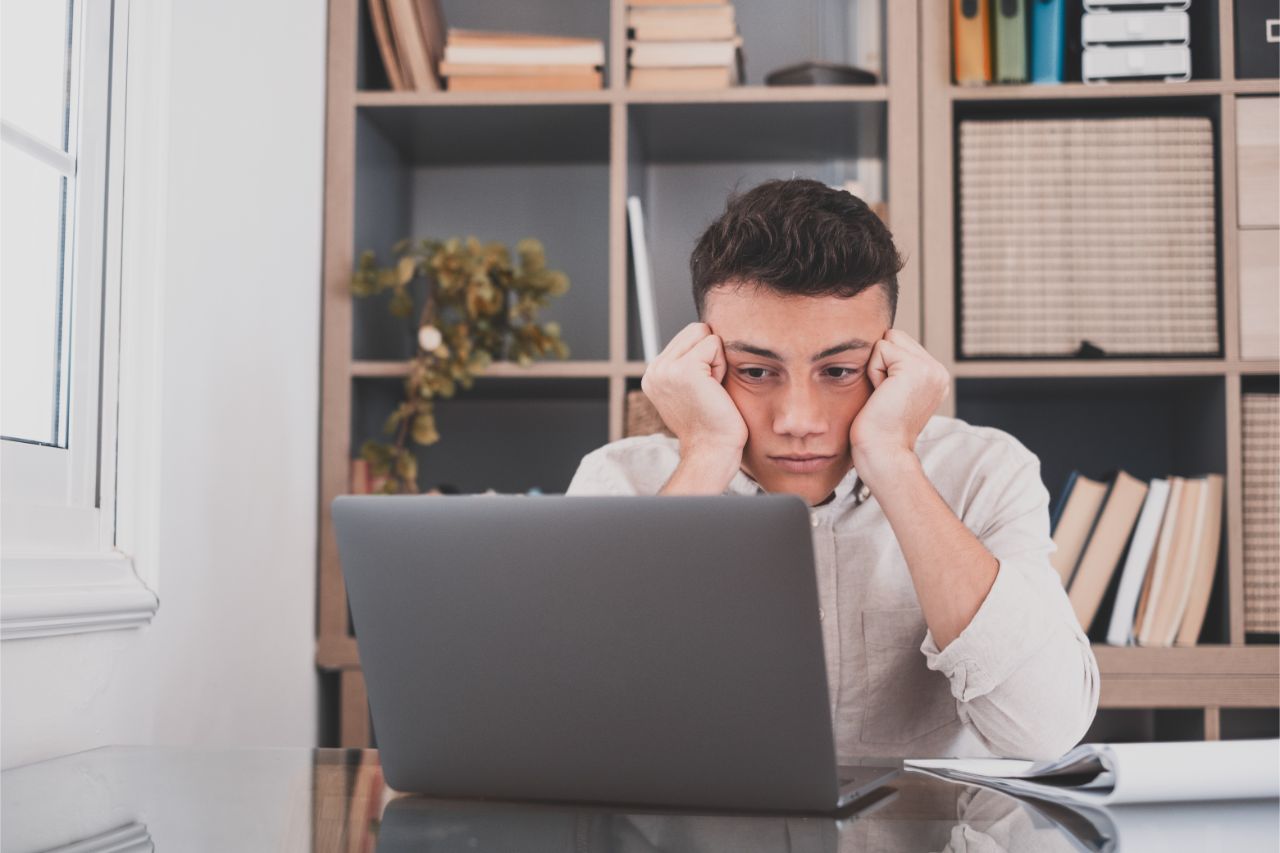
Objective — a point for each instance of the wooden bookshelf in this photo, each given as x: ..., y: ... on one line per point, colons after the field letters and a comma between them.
x: 1226, y: 673
x: 390, y: 174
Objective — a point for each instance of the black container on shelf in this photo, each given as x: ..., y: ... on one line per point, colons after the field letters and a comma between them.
x: 1257, y: 39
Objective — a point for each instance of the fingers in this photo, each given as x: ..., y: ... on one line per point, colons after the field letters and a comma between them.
x: 685, y: 340
x: 905, y: 341
x: 710, y: 351
x: 878, y: 364
x: 694, y: 340
x: 897, y: 347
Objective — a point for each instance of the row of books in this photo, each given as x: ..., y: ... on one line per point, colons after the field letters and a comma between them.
x: 419, y: 53
x: 1154, y: 546
x: 675, y: 44
x: 410, y: 37
x: 1021, y: 41
x: 1070, y: 228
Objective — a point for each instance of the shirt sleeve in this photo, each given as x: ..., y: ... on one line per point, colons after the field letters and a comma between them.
x: 1022, y: 671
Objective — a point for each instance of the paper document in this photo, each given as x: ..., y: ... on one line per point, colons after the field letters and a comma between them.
x: 1097, y: 774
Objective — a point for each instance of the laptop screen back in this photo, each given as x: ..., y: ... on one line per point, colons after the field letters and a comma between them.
x: 648, y: 650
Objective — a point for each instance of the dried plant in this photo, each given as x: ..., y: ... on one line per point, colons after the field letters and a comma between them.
x: 479, y: 308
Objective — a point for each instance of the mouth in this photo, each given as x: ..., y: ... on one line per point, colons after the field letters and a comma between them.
x: 802, y: 464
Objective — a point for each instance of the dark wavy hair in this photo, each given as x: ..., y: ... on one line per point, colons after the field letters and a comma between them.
x: 798, y: 237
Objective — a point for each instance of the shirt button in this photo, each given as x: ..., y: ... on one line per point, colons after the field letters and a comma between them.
x: 821, y: 614
x: 813, y: 519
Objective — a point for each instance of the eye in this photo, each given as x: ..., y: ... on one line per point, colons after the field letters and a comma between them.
x: 841, y: 372
x: 755, y: 373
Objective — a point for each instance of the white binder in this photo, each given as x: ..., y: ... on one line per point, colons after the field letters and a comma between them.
x: 1135, y: 27
x: 1163, y: 62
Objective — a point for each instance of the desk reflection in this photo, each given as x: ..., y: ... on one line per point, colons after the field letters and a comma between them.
x: 336, y: 801
x: 913, y: 813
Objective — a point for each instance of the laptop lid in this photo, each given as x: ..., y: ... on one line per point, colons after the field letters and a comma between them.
x: 647, y: 650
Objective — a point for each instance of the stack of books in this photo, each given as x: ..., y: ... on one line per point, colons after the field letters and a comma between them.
x: 1261, y: 436
x: 483, y: 61
x: 1071, y: 228
x: 683, y: 44
x: 1150, y: 549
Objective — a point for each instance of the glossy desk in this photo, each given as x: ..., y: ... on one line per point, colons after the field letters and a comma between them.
x: 143, y: 798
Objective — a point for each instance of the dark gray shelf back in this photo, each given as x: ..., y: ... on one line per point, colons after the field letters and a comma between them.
x: 508, y: 435
x: 498, y: 173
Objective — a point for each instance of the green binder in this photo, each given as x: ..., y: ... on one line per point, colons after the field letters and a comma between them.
x: 1011, y: 41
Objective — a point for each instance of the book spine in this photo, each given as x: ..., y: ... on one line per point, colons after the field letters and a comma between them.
x: 1048, y: 40
x: 1011, y: 41
x: 971, y: 42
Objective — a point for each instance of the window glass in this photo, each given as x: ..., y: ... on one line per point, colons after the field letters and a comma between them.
x: 31, y: 233
x: 35, y: 53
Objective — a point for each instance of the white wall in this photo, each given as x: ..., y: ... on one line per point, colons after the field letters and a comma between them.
x: 229, y: 659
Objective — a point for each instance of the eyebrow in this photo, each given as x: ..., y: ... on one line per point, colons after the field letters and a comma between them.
x: 739, y: 346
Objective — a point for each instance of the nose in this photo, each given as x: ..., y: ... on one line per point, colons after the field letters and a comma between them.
x: 801, y: 412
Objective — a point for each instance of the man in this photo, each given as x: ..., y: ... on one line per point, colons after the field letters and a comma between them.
x: 946, y: 630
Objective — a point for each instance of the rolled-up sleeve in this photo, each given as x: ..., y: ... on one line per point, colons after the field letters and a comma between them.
x: 1022, y: 671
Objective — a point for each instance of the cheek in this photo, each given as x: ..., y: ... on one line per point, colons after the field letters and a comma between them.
x: 758, y: 407
x: 752, y: 404
x: 851, y: 402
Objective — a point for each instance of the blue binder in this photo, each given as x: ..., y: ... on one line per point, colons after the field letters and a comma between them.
x: 1048, y: 40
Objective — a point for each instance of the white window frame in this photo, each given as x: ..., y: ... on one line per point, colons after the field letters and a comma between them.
x: 81, y: 555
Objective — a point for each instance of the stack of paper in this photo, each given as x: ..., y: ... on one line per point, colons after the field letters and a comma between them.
x: 1261, y: 513
x: 1088, y: 230
x: 1095, y: 774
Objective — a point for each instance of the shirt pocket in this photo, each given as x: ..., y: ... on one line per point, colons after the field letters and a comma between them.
x: 905, y: 699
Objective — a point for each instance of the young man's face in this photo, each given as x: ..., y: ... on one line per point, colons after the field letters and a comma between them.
x: 797, y: 373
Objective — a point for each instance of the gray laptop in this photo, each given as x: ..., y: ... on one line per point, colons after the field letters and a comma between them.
x: 660, y: 651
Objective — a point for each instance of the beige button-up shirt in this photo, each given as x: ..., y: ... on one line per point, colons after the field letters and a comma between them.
x: 1020, y: 681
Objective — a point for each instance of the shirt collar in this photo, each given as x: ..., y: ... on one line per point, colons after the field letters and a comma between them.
x: 849, y: 487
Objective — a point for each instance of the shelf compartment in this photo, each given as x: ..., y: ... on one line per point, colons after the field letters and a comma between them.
x: 756, y: 131
x: 1003, y: 281
x: 685, y: 160
x: 506, y: 434
x: 1147, y: 426
x: 498, y: 174
x: 1204, y: 43
x: 777, y: 35
x: 456, y: 134
x: 582, y: 18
